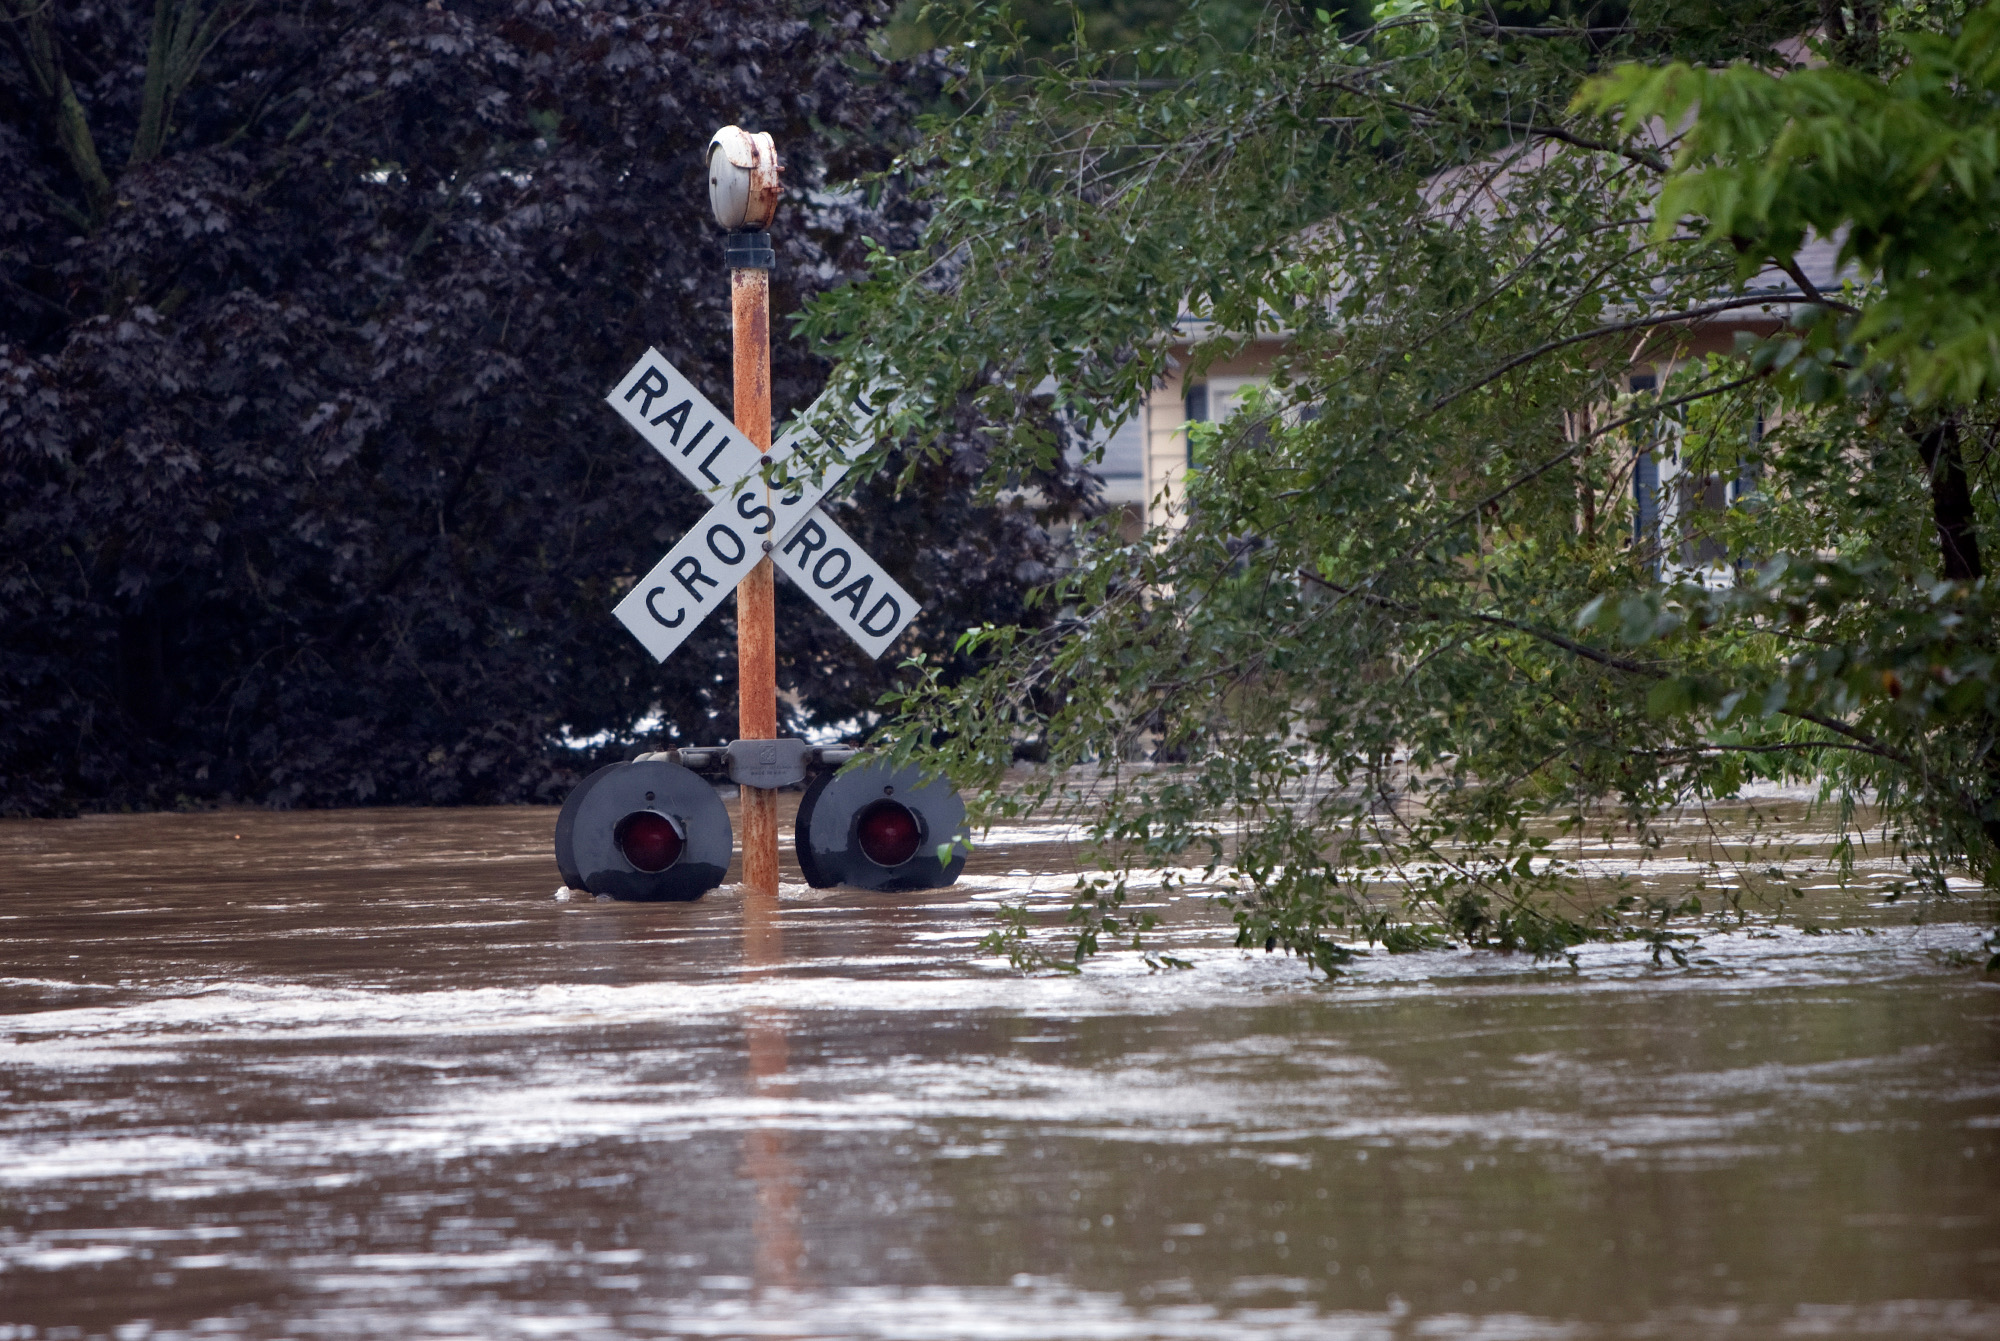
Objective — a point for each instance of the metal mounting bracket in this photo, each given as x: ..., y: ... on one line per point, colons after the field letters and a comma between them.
x: 769, y: 764
x: 749, y: 763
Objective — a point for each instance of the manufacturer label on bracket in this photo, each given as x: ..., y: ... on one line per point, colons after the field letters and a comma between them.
x: 769, y: 764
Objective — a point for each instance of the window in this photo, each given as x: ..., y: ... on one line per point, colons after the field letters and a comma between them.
x: 1674, y: 507
x: 1197, y: 403
x: 1212, y: 402
x: 1645, y: 481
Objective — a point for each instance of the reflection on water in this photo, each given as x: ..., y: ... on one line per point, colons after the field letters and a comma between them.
x: 767, y: 1161
x: 358, y: 1074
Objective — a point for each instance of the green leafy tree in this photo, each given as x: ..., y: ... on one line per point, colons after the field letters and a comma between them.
x: 1902, y: 163
x: 1407, y: 635
x: 1893, y: 147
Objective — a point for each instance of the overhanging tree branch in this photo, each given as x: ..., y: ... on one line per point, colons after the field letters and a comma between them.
x: 1614, y: 328
x: 1866, y: 743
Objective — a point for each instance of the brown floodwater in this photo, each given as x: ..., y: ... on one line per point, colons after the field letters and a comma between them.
x: 361, y: 1074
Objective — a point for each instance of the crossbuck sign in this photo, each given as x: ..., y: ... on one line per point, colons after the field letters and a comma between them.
x: 752, y: 517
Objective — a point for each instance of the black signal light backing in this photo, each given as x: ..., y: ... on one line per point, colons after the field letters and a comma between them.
x: 877, y: 827
x: 648, y: 830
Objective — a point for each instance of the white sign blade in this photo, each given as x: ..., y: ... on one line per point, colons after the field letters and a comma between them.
x: 750, y: 513
x: 697, y: 574
x: 846, y: 583
x: 667, y: 604
x: 682, y: 426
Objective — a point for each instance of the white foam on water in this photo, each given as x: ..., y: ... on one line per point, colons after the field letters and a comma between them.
x: 1759, y: 958
x: 1033, y: 1309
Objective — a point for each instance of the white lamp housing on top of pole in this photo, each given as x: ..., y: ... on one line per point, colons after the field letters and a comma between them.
x: 743, y: 179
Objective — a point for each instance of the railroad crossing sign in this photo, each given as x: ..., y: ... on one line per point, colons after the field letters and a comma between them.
x: 753, y: 517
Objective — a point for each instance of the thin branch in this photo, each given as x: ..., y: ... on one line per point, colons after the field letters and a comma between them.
x: 1506, y: 30
x: 1864, y: 742
x: 1645, y: 157
x: 1568, y: 644
x: 1786, y: 747
x: 1599, y: 332
x: 280, y: 85
x: 41, y: 52
x: 1790, y: 265
x: 45, y: 301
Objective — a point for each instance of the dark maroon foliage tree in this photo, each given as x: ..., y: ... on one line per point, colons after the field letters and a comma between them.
x: 306, y: 315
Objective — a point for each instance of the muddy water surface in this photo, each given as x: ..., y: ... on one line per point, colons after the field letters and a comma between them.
x: 359, y: 1074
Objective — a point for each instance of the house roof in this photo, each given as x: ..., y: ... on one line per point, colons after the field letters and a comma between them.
x: 1480, y: 189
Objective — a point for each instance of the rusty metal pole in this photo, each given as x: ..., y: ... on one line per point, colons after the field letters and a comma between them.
x: 756, y: 595
x: 743, y: 191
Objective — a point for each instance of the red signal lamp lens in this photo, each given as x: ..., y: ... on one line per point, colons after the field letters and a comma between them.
x: 649, y: 840
x: 889, y: 833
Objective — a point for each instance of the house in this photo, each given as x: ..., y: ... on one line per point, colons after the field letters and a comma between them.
x: 1145, y: 460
